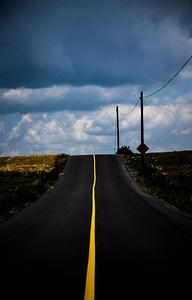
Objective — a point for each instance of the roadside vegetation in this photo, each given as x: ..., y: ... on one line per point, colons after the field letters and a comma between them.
x: 24, y: 178
x: 167, y: 175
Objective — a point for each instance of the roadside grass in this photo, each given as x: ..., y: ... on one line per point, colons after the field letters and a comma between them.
x: 24, y: 178
x: 167, y: 175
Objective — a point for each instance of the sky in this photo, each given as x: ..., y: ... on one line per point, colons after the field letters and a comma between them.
x: 65, y: 66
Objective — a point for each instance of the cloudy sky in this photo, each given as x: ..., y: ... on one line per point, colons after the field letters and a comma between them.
x: 65, y: 65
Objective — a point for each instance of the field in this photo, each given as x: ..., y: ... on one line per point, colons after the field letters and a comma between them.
x: 168, y: 175
x: 24, y: 178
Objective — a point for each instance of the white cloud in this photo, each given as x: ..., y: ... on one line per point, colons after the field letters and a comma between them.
x: 18, y: 130
x: 167, y: 126
x: 187, y: 73
x: 61, y: 131
x: 6, y: 151
x: 59, y: 98
x: 19, y: 94
x: 181, y: 131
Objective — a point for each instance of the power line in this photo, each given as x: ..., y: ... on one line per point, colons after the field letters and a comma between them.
x: 159, y: 88
x: 131, y: 109
x: 170, y: 79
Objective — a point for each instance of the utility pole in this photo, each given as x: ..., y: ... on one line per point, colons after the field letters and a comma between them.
x: 142, y: 125
x: 142, y: 132
x: 117, y: 114
x: 142, y: 148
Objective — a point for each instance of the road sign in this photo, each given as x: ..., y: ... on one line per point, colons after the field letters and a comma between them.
x: 142, y: 148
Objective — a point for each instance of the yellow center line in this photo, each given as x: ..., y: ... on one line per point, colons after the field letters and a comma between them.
x: 90, y: 278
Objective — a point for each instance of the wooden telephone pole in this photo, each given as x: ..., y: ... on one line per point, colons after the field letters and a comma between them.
x: 117, y: 114
x: 142, y: 148
x: 142, y: 132
x: 142, y: 125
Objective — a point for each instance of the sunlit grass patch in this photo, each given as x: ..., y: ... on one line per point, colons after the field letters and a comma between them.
x: 24, y: 178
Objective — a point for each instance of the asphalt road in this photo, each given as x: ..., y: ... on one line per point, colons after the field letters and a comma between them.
x: 137, y: 238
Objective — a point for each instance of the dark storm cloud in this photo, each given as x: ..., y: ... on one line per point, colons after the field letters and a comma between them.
x: 105, y: 43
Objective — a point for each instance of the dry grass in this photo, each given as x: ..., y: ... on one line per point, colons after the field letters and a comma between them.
x: 167, y: 175
x: 24, y: 178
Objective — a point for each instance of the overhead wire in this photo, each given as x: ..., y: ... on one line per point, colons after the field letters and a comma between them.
x: 131, y: 109
x: 169, y: 79
x: 126, y: 114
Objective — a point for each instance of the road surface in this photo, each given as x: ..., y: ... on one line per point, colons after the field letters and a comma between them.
x: 137, y: 238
